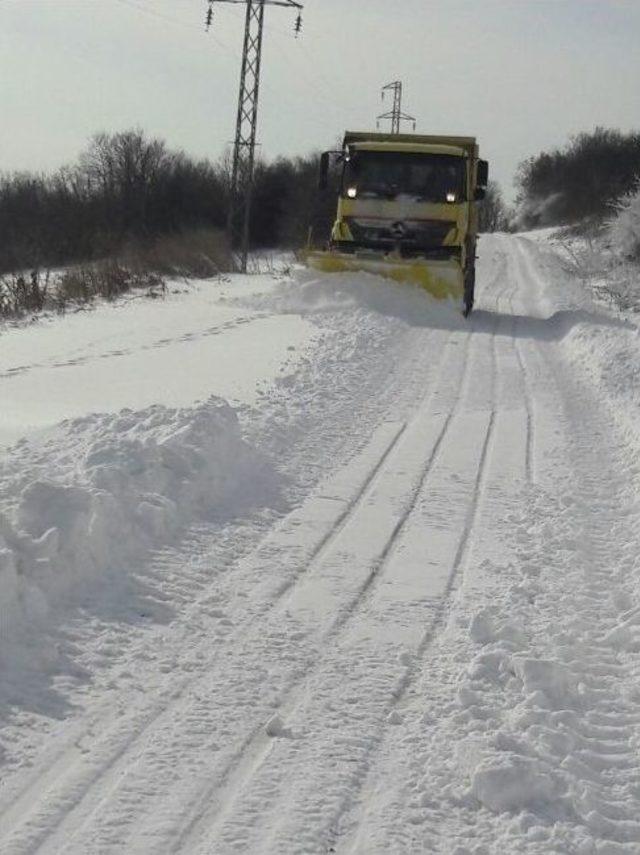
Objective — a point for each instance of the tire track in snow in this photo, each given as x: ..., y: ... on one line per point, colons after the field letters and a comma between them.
x: 352, y: 843
x: 396, y: 818
x: 416, y: 668
x: 205, y: 827
x: 216, y: 820
x: 530, y: 464
x: 86, y: 792
x: 256, y: 749
x: 517, y: 330
x: 533, y: 299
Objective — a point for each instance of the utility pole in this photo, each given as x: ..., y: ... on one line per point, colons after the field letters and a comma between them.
x: 396, y: 115
x: 244, y: 147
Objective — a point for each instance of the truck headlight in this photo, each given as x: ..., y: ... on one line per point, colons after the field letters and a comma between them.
x: 352, y: 192
x: 451, y: 197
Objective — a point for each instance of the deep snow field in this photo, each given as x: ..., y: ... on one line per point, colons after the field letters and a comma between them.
x: 293, y: 563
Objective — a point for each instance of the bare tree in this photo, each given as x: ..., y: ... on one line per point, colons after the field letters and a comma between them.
x: 492, y: 213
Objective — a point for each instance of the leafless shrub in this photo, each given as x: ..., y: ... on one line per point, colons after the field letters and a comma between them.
x: 107, y: 280
x: 199, y: 253
x: 611, y: 279
x: 623, y: 229
x: 20, y: 294
x: 492, y: 211
x: 140, y: 266
x: 583, y: 258
x: 276, y: 265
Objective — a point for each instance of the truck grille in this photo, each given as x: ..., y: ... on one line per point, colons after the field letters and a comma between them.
x: 409, y: 234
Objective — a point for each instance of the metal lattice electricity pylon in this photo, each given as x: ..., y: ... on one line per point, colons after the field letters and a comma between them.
x: 396, y: 115
x: 244, y: 147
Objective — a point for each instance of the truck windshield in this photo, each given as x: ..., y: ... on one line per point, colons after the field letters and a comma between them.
x: 387, y: 175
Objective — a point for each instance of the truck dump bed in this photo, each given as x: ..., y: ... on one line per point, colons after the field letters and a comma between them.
x: 469, y: 144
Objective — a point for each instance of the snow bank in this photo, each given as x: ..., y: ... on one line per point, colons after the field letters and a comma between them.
x: 84, y: 508
x: 603, y: 345
x: 605, y: 266
x: 611, y: 358
x: 624, y: 228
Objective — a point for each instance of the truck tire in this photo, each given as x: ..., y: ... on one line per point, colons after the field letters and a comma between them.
x: 469, y: 289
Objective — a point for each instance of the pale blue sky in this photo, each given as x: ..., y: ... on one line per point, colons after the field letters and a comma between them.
x: 522, y: 75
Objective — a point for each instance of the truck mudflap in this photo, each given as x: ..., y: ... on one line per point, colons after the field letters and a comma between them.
x: 442, y: 278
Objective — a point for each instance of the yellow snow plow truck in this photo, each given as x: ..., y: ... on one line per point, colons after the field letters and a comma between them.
x: 407, y: 211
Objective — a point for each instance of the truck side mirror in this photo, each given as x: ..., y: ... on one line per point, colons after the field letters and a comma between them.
x: 483, y: 173
x: 324, y: 171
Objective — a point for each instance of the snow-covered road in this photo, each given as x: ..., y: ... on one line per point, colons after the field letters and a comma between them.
x: 431, y: 647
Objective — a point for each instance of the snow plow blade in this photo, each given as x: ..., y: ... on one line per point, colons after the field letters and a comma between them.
x: 443, y: 279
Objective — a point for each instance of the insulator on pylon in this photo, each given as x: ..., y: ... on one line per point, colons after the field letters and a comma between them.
x: 298, y: 25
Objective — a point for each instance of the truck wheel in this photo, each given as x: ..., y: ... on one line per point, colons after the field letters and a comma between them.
x: 469, y: 290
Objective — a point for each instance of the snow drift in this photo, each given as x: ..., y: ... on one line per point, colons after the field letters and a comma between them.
x: 624, y: 228
x: 85, y: 508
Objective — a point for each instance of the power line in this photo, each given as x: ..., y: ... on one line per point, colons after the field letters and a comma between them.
x: 244, y: 146
x: 156, y: 14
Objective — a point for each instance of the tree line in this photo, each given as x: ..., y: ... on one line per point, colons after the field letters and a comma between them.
x: 127, y: 187
x: 580, y: 181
